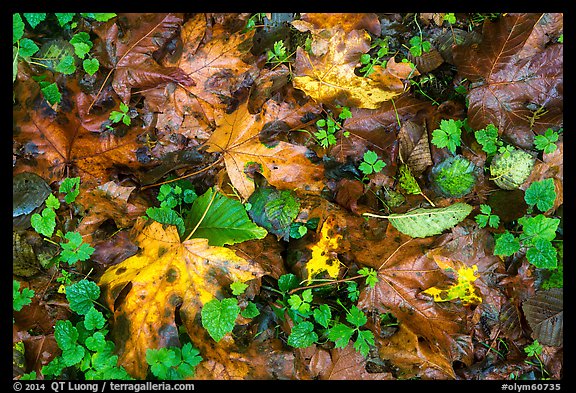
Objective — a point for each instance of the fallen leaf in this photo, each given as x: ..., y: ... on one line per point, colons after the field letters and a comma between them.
x: 284, y: 165
x: 545, y: 314
x: 129, y: 42
x: 164, y: 276
x: 503, y: 84
x: 343, y: 364
x: 55, y: 144
x: 324, y: 258
x: 414, y: 149
x: 330, y: 79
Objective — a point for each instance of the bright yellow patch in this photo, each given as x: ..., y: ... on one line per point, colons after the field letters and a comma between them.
x: 323, y: 253
x: 463, y: 289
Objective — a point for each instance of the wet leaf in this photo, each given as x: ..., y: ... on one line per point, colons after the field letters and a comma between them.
x: 504, y: 82
x: 330, y: 79
x: 164, y: 276
x: 283, y: 164
x: 424, y: 222
x: 545, y: 314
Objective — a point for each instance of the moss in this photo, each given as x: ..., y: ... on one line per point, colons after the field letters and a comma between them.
x: 454, y: 177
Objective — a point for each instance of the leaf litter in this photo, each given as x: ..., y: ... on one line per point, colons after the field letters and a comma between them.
x: 380, y: 275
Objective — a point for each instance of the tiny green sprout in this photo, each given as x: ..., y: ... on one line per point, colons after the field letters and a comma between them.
x: 301, y: 304
x: 173, y: 363
x: 448, y: 135
x: 418, y: 47
x: 117, y: 117
x: 74, y: 249
x: 561, y: 38
x: 371, y: 163
x: 71, y: 187
x: 487, y: 218
x: 547, y: 142
x: 370, y: 61
x: 278, y: 53
x: 238, y: 288
x: 450, y: 18
x: 326, y: 135
x: 533, y: 349
x: 370, y: 274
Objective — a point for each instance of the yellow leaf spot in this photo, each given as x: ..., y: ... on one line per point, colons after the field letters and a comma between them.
x: 463, y: 289
x: 323, y: 253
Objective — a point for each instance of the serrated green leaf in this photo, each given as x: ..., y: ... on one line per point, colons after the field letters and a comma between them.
x: 44, y: 224
x: 27, y: 47
x: 34, y: 18
x: 51, y: 93
x: 370, y: 157
x: 219, y: 317
x: 250, y: 311
x: 274, y: 210
x: 64, y: 17
x: 365, y: 168
x: 541, y: 194
x: 238, y: 288
x: 17, y: 27
x: 71, y: 187
x: 91, y: 66
x: 538, y: 227
x: 94, y: 319
x: 356, y: 317
x: 222, y: 220
x: 67, y: 65
x: 96, y: 342
x: 363, y: 342
x: 302, y: 335
x: 340, y: 334
x: 542, y: 254
x: 167, y: 216
x: 65, y: 334
x: 73, y: 355
x: 52, y: 202
x: 21, y: 298
x: 506, y: 244
x: 81, y: 296
x: 322, y: 315
x: 423, y: 222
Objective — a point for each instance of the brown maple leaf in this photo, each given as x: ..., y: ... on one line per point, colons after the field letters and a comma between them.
x: 516, y: 94
x: 55, y: 144
x: 129, y: 43
x: 284, y: 165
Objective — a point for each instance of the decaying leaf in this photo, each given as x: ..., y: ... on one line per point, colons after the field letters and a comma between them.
x: 330, y: 79
x: 545, y: 314
x: 463, y: 289
x: 283, y: 164
x: 516, y: 94
x: 54, y: 144
x: 414, y: 148
x: 324, y: 253
x: 145, y: 290
x: 129, y: 50
x: 423, y: 222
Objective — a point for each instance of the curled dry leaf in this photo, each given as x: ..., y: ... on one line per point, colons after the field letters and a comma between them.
x: 129, y: 50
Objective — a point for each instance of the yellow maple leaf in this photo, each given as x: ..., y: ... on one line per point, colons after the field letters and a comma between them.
x: 324, y: 258
x: 146, y: 289
x: 330, y: 78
